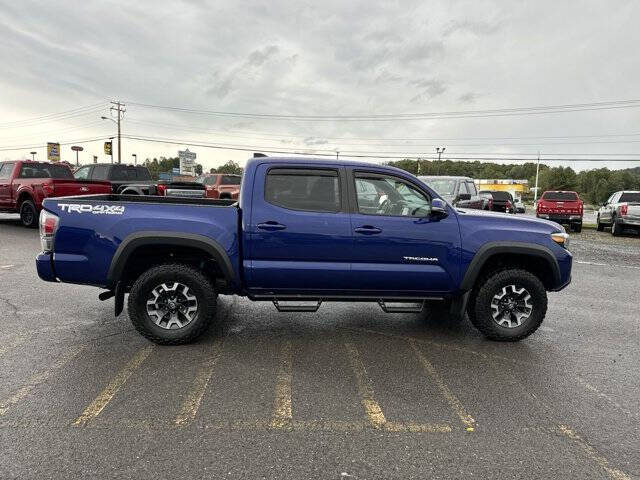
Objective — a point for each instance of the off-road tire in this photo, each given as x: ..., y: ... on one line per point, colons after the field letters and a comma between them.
x: 197, y: 282
x: 491, y: 284
x: 28, y: 214
x: 599, y: 226
x: 576, y: 227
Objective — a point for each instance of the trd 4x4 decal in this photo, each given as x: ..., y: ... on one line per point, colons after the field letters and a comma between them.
x: 95, y: 209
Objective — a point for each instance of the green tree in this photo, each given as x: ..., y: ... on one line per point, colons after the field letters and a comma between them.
x: 230, y: 167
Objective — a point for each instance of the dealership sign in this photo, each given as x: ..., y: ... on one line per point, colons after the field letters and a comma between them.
x: 187, y: 162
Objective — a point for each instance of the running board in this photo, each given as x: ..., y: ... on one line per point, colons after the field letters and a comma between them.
x: 404, y: 307
x: 296, y: 308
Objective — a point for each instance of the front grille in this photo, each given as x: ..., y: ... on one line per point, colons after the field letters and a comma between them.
x: 172, y: 192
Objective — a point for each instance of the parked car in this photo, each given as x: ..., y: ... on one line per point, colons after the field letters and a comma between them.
x: 24, y: 184
x: 302, y: 232
x: 562, y: 207
x: 499, y: 201
x: 458, y: 191
x: 620, y: 211
x: 520, y: 208
x: 221, y: 185
x: 136, y: 180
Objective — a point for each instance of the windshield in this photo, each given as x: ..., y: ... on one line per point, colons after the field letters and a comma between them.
x: 560, y: 196
x: 443, y: 186
x: 630, y: 197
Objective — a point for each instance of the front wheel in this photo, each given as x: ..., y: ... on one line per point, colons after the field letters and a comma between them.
x: 172, y: 304
x: 509, y: 305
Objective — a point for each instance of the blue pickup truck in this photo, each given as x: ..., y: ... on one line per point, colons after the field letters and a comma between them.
x: 306, y: 231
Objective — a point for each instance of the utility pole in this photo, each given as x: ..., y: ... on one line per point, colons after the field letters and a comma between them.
x: 119, y: 109
x: 135, y: 158
x: 337, y: 153
x: 535, y: 194
x: 418, y: 166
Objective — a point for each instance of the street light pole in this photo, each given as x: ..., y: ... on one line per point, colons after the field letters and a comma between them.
x: 33, y: 156
x: 119, y: 112
x: 535, y: 193
x: 439, y: 150
x: 135, y: 158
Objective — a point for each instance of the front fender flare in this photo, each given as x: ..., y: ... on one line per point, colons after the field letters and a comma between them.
x: 490, y: 249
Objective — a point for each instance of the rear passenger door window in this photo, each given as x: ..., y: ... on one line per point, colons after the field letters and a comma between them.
x: 306, y: 190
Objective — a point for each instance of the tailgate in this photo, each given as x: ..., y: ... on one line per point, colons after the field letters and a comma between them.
x: 573, y: 207
x: 68, y: 188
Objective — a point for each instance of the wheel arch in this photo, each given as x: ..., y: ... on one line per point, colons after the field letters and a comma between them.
x: 538, y: 259
x: 181, y: 242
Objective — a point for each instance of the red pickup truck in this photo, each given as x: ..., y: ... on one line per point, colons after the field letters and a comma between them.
x: 561, y: 207
x: 25, y: 184
x: 221, y: 185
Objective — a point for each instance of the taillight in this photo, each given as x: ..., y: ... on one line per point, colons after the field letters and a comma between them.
x: 48, y: 227
x: 162, y: 190
x: 48, y: 189
x: 624, y: 209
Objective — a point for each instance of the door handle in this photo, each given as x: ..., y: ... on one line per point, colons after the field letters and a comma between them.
x: 271, y: 226
x: 368, y: 230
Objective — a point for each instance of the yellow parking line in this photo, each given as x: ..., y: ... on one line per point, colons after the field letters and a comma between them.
x: 36, y: 380
x: 101, y: 401
x: 282, y: 414
x: 365, y: 389
x: 592, y: 454
x: 194, y: 397
x: 454, y: 403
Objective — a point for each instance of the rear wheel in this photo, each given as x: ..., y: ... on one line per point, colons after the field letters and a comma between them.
x: 172, y: 304
x: 28, y: 214
x: 616, y: 228
x: 509, y: 305
x: 599, y: 226
x: 577, y: 227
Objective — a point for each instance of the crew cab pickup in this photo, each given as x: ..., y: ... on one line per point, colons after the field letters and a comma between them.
x: 620, y: 211
x: 458, y: 191
x: 24, y: 184
x: 561, y: 207
x: 136, y: 180
x: 301, y: 235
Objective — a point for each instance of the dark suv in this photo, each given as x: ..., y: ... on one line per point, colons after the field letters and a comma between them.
x: 458, y: 191
x: 124, y: 178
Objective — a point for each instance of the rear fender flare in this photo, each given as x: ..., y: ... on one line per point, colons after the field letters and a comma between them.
x: 496, y: 248
x: 140, y: 239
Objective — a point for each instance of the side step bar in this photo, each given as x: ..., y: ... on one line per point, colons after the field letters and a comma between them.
x: 388, y: 305
x: 402, y: 306
x: 296, y: 308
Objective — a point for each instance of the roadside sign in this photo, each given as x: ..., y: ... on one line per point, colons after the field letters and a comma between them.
x: 187, y: 162
x: 107, y: 148
x: 53, y: 152
x: 175, y: 171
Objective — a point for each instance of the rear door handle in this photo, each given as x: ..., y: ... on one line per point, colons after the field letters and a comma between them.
x: 271, y: 226
x: 368, y: 230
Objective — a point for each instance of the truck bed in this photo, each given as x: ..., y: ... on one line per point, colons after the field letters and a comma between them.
x: 112, y: 197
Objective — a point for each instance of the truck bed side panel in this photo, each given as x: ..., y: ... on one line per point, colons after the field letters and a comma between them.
x: 96, y: 236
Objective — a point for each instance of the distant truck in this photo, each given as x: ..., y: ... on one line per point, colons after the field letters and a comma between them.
x: 620, y: 211
x: 562, y: 207
x: 499, y: 201
x: 303, y: 233
x: 458, y: 191
x: 221, y: 185
x: 136, y: 180
x: 25, y: 184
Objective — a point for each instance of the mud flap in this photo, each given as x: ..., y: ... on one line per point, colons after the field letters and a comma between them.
x: 119, y: 302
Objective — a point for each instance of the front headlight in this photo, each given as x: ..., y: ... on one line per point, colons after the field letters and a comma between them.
x: 561, y: 238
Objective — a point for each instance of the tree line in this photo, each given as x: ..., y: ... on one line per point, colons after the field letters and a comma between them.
x: 160, y: 165
x: 593, y: 186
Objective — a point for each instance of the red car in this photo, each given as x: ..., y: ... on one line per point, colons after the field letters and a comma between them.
x: 24, y: 184
x: 221, y: 185
x: 561, y: 207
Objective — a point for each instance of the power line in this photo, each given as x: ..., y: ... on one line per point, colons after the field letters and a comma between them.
x: 617, y: 104
x: 324, y: 153
x: 76, y: 112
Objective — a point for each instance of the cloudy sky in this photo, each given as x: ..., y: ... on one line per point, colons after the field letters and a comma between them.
x: 332, y: 58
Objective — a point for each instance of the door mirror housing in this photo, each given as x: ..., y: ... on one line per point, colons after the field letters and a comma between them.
x: 438, y: 208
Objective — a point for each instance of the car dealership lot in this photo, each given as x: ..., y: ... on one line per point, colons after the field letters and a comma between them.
x: 346, y: 392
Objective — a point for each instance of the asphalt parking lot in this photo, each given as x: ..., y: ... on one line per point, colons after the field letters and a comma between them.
x: 347, y: 392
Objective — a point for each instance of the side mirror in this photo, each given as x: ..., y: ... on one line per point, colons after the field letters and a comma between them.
x: 438, y: 208
x: 464, y: 196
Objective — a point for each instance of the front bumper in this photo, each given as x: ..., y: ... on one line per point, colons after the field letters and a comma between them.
x: 44, y: 266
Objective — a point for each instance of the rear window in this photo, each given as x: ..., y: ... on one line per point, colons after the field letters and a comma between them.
x: 143, y: 173
x: 501, y: 196
x: 560, y: 196
x: 230, y: 180
x: 123, y: 173
x: 310, y: 190
x: 45, y: 170
x: 630, y: 197
x: 208, y: 180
